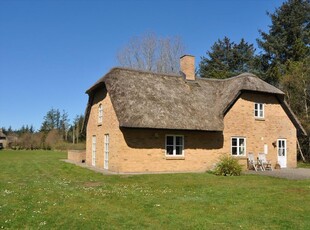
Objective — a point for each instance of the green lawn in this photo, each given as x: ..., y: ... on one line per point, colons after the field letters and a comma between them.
x: 303, y: 165
x: 37, y: 190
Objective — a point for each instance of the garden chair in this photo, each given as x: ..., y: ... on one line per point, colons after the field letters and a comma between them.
x: 254, y: 164
x: 265, y: 163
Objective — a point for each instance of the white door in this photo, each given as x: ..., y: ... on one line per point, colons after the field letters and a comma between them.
x: 282, y: 152
x: 93, y: 151
x: 106, y: 151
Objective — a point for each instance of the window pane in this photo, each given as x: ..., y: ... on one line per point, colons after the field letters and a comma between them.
x: 241, y: 146
x: 241, y: 150
x: 234, y: 141
x: 179, y: 140
x: 281, y: 152
x: 256, y: 106
x: 169, y: 140
x: 178, y: 150
x: 234, y: 150
x: 169, y: 150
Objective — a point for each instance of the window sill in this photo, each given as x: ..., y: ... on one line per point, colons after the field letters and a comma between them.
x: 175, y: 158
x: 240, y: 157
x: 259, y: 118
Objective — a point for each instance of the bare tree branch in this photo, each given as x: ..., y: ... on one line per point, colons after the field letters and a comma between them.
x: 148, y: 52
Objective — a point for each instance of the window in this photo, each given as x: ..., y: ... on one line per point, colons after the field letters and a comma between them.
x: 259, y: 110
x: 106, y: 151
x: 281, y: 147
x: 174, y: 145
x: 238, y: 146
x: 93, y: 150
x: 100, y: 113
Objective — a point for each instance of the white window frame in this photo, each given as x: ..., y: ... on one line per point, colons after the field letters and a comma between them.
x: 259, y: 110
x: 100, y: 113
x: 174, y: 145
x: 238, y: 146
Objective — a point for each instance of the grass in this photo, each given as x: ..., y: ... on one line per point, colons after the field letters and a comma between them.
x: 39, y: 191
x: 303, y: 165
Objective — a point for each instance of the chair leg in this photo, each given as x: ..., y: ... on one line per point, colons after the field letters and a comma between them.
x: 255, y: 167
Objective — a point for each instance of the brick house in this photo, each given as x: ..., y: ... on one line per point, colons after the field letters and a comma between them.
x: 139, y: 121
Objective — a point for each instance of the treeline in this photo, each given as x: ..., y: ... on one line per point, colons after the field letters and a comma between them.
x: 56, y: 132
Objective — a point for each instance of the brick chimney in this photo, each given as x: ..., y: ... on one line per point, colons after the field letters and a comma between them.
x: 187, y: 64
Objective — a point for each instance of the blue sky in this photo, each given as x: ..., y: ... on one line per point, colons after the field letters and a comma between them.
x: 51, y: 51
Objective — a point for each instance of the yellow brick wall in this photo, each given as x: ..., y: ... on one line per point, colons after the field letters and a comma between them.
x: 143, y: 150
x: 109, y: 125
x: 76, y: 155
x: 240, y: 121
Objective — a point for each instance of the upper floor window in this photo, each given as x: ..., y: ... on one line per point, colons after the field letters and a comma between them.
x: 174, y: 145
x: 100, y: 113
x: 238, y: 146
x: 259, y: 110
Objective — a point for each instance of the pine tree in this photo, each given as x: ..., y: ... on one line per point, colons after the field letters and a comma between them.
x: 228, y: 59
x: 288, y: 38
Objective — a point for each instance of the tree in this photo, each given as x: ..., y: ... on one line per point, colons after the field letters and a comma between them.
x: 228, y: 59
x: 64, y: 125
x: 78, y: 133
x: 51, y: 120
x: 150, y: 53
x: 288, y: 38
x: 52, y: 138
x: 296, y: 85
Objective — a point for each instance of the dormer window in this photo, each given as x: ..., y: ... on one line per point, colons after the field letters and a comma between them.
x: 259, y: 110
x: 100, y: 113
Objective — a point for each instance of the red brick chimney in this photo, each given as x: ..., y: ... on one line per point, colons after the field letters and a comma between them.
x: 187, y: 64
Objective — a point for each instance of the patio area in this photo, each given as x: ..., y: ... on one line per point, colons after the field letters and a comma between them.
x: 291, y: 174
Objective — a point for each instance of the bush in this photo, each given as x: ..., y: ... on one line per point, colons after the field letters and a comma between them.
x: 228, y: 166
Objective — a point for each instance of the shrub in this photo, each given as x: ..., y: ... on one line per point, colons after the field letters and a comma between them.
x: 228, y: 166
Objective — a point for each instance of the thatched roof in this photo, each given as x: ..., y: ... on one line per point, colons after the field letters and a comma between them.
x: 151, y: 100
x: 2, y: 134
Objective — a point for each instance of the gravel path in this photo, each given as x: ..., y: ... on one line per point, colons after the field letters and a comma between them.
x: 291, y: 174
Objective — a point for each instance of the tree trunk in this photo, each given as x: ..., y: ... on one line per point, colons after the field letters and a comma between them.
x: 306, y: 96
x: 302, y: 155
x: 73, y: 136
